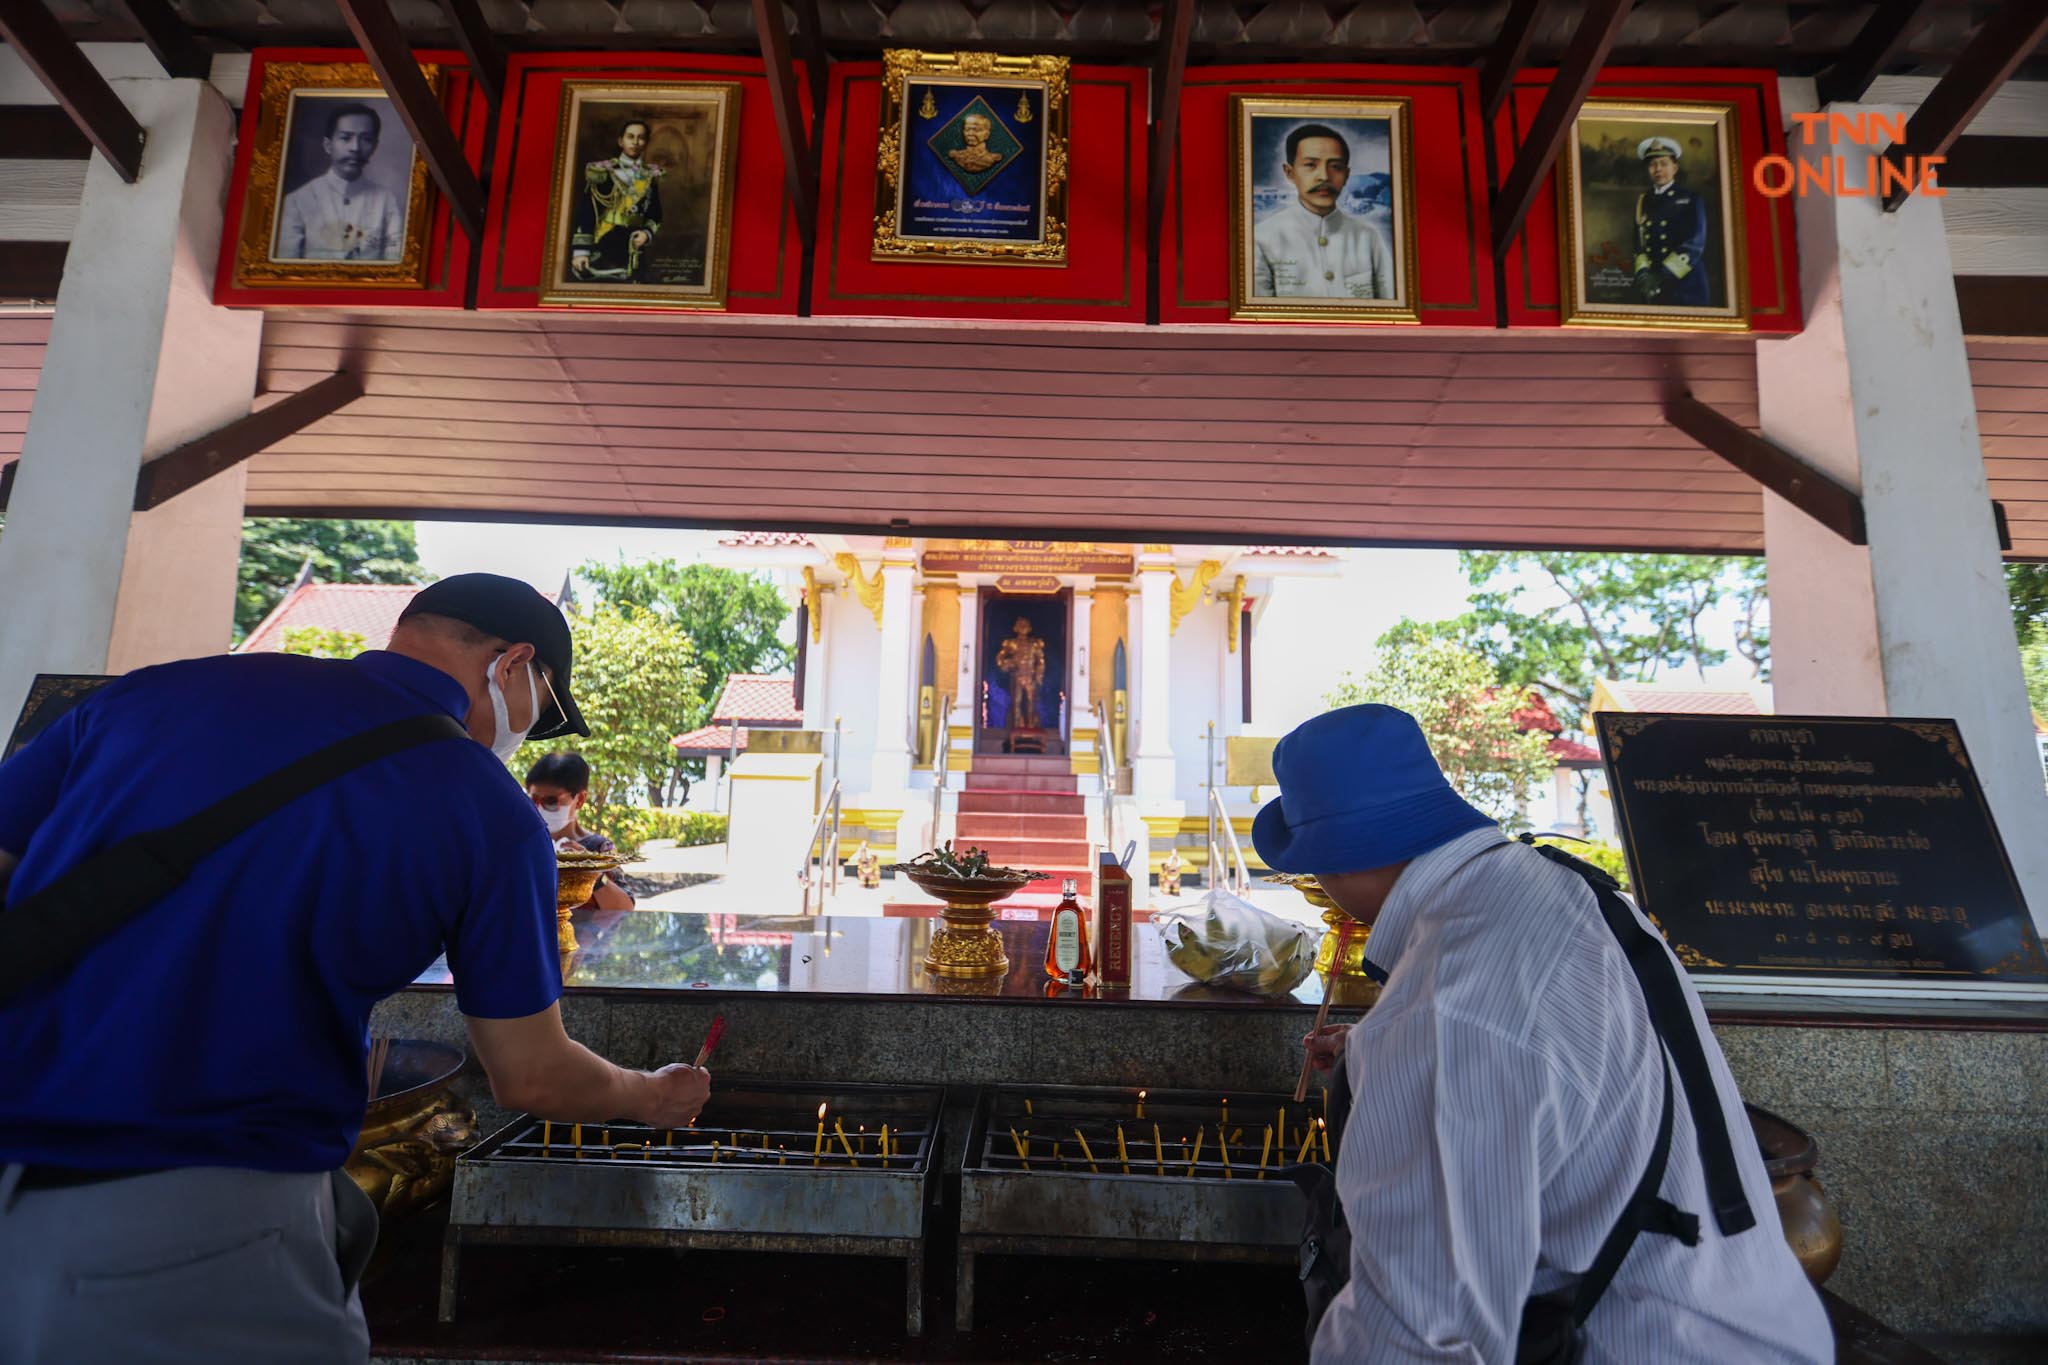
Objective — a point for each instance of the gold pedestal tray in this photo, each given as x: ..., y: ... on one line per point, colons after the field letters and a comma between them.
x: 1335, y: 920
x: 576, y: 877
x: 967, y: 944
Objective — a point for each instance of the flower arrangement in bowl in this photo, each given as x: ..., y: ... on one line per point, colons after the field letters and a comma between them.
x: 967, y: 945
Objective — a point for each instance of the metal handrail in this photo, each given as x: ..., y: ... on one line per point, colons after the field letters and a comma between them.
x: 1238, y: 872
x: 942, y: 755
x: 1106, y: 766
x: 825, y: 832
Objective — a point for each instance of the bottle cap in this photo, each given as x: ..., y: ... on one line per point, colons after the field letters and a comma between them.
x: 1069, y: 887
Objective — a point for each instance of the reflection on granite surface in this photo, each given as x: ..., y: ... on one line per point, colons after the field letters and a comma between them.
x: 659, y: 950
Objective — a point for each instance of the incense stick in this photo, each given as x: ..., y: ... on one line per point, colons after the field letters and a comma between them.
x: 380, y: 1051
x: 1323, y: 1010
x: 710, y: 1041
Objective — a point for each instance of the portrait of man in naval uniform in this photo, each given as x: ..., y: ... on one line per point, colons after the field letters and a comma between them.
x: 618, y: 211
x: 337, y: 204
x: 1321, y: 189
x: 1671, y: 232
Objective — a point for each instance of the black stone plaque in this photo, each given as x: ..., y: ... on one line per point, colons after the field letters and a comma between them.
x: 50, y: 696
x: 1817, y: 846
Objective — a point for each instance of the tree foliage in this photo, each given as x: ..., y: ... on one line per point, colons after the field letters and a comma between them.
x: 1616, y: 616
x: 637, y: 678
x: 2034, y: 660
x: 733, y: 619
x: 1467, y: 716
x: 2026, y: 585
x: 318, y: 642
x: 275, y: 548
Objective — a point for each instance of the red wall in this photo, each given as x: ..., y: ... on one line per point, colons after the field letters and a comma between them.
x: 1104, y: 277
x: 447, y: 248
x: 1454, y: 261
x: 766, y: 257
x: 1532, y: 264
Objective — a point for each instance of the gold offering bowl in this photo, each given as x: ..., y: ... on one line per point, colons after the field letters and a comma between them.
x: 967, y: 945
x: 405, y: 1157
x: 1335, y: 920
x: 576, y: 877
x: 1812, y: 1227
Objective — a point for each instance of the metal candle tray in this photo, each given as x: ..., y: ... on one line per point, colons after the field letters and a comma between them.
x: 714, y: 1185
x: 1087, y: 1197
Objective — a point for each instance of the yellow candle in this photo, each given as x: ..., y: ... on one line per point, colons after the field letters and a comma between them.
x: 1123, y: 1156
x: 646, y: 1151
x: 885, y: 1144
x: 714, y: 1151
x: 764, y: 1144
x: 1084, y: 1150
x: 1028, y: 1110
x: 1283, y: 1132
x: 1265, y: 1151
x: 1223, y: 1145
x: 1058, y: 1160
x: 1023, y: 1150
x: 1308, y: 1140
x: 668, y: 1137
x: 547, y: 1135
x: 818, y: 1148
x: 783, y: 1148
x: 1323, y: 1127
x: 576, y: 1136
x: 1141, y: 1104
x: 839, y: 1129
x: 1196, y: 1159
x: 1226, y: 1110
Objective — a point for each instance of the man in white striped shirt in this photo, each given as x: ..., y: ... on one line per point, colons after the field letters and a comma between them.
x: 1508, y: 1088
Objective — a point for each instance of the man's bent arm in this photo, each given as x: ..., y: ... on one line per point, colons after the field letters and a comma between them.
x: 534, y: 1065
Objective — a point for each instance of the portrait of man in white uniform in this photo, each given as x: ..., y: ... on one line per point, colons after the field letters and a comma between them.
x: 339, y: 201
x: 1318, y: 191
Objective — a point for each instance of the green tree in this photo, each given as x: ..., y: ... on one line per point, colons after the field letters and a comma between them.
x: 637, y: 678
x: 2027, y: 587
x: 317, y: 642
x: 274, y: 549
x: 2034, y: 660
x: 1467, y: 716
x: 733, y: 619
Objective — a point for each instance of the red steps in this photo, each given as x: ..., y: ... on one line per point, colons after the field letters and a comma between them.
x: 980, y: 828
x: 979, y: 781
x: 986, y: 802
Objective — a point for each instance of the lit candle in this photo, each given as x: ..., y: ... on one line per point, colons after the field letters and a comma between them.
x: 1123, y: 1156
x: 818, y: 1148
x: 782, y: 1160
x: 714, y: 1151
x: 1265, y: 1152
x: 1226, y: 1110
x: 1323, y: 1127
x: 1158, y: 1150
x: 1308, y: 1140
x: 646, y: 1151
x: 840, y: 1130
x: 1196, y: 1159
x: 1223, y: 1145
x: 1084, y: 1150
x: 1141, y: 1104
x: 1023, y: 1151
x: 861, y: 1137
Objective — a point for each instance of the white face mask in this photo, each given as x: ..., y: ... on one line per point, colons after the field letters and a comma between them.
x: 505, y: 740
x: 558, y: 819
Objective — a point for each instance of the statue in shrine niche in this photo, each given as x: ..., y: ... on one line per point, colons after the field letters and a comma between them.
x: 1021, y: 659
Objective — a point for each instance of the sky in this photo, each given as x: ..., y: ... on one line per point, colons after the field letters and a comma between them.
x: 1313, y: 633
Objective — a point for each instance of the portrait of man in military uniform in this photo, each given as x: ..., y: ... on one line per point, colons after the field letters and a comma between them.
x: 643, y: 194
x: 618, y: 211
x: 1321, y: 202
x: 339, y: 204
x: 1648, y: 214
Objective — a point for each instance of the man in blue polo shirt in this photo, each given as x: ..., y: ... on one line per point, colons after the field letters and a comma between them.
x: 176, y: 1105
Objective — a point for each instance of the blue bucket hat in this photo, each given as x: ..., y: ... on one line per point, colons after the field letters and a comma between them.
x: 1358, y: 789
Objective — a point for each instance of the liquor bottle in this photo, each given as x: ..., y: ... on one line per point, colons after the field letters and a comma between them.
x: 1113, y: 898
x: 1066, y: 947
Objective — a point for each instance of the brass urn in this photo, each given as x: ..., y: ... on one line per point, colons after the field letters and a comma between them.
x: 576, y: 875
x: 404, y: 1158
x: 967, y: 944
x: 1335, y: 922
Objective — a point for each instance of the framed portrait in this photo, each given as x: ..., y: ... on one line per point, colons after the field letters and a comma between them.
x: 641, y: 209
x: 1323, y: 211
x: 973, y: 159
x: 1650, y: 220
x: 337, y: 194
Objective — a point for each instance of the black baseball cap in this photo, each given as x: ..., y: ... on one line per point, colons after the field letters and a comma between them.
x: 514, y: 612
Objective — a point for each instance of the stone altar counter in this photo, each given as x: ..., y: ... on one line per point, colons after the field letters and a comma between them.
x: 1932, y: 1119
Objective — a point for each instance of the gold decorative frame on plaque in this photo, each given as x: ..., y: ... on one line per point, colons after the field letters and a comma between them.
x: 262, y: 197
x: 1633, y: 121
x: 981, y: 71
x: 1395, y: 113
x: 648, y: 97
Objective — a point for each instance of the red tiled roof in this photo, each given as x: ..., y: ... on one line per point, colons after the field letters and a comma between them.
x: 1569, y: 753
x: 1291, y: 551
x: 1535, y: 714
x: 766, y: 540
x: 712, y: 739
x: 757, y: 699
x: 366, y: 609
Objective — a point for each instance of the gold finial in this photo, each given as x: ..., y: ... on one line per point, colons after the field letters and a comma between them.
x: 930, y: 107
x: 813, y: 599
x: 1236, y: 599
x: 868, y: 590
x: 1023, y: 106
x: 1187, y: 596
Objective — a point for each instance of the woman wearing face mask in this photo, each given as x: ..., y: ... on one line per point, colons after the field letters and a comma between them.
x: 559, y: 785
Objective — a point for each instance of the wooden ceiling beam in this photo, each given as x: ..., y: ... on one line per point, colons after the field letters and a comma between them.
x: 1833, y: 505
x: 77, y: 86
x: 1599, y: 26
x: 378, y: 35
x: 31, y: 271
x: 2007, y: 38
x: 1507, y: 56
x: 1880, y: 43
x: 41, y: 132
x: 810, y: 41
x: 479, y: 46
x: 195, y: 462
x: 771, y: 24
x: 1169, y: 77
x: 173, y: 45
x: 1979, y: 162
x: 2003, y: 305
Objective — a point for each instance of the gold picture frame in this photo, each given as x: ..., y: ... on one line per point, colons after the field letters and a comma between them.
x: 279, y: 162
x: 1633, y: 256
x: 690, y: 139
x: 1368, y: 273
x: 932, y: 166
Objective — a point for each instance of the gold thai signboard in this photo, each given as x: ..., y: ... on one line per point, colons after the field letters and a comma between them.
x: 1028, y: 584
x: 1028, y: 557
x: 1248, y: 760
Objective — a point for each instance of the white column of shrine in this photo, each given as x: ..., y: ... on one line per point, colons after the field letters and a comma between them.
x: 967, y: 675
x: 892, y: 684
x: 1152, y: 766
x: 1876, y: 392
x: 139, y: 362
x: 1080, y: 710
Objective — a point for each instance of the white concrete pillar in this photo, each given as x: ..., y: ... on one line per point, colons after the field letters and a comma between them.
x: 1152, y: 767
x: 892, y: 683
x: 1876, y: 392
x: 967, y: 682
x: 1080, y: 711
x: 139, y: 362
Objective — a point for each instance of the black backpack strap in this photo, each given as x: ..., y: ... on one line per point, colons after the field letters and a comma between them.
x: 1672, y: 1021
x: 46, y: 932
x: 1646, y: 1211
